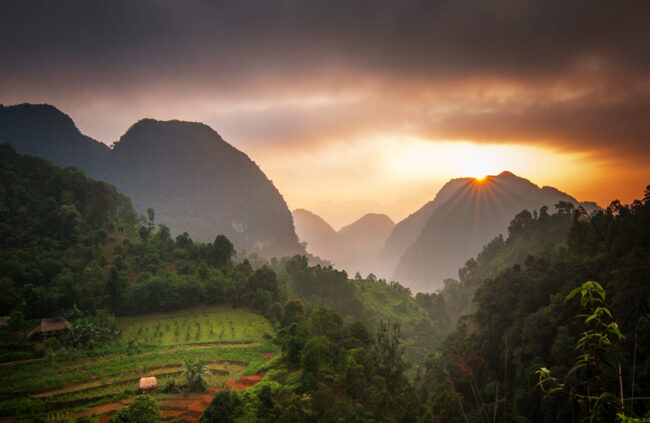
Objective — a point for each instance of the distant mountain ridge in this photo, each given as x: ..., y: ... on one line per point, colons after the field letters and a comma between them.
x: 353, y: 248
x: 320, y: 237
x: 432, y: 243
x: 466, y: 218
x: 408, y: 230
x: 193, y: 179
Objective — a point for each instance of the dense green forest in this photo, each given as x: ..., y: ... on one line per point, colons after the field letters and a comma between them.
x: 94, y: 263
x: 499, y: 344
x: 522, y: 321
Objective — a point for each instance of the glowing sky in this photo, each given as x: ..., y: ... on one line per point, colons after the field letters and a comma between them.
x: 361, y: 106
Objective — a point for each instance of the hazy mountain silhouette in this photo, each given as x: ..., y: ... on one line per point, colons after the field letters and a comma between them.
x: 194, y: 180
x: 44, y: 131
x: 361, y: 241
x: 320, y: 237
x: 469, y: 214
x: 408, y: 230
x: 353, y: 248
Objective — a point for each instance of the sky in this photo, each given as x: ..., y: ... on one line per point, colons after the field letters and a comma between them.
x: 353, y: 106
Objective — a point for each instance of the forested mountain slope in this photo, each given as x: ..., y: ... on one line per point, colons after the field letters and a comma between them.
x: 407, y: 231
x: 529, y: 234
x: 52, y: 223
x: 523, y: 320
x: 320, y: 237
x: 185, y: 171
x: 475, y: 212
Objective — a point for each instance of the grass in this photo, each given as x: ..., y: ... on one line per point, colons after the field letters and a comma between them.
x: 197, y: 325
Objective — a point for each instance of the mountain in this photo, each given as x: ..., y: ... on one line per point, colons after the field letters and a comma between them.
x: 407, y: 231
x: 197, y: 182
x: 525, y: 315
x: 320, y: 237
x: 52, y: 222
x: 353, y: 248
x: 361, y: 241
x: 43, y: 131
x: 468, y: 215
x: 191, y: 177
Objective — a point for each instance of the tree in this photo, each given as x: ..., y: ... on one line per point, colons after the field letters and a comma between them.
x: 312, y: 358
x: 326, y: 322
x: 224, y: 408
x: 390, y: 356
x: 114, y: 289
x: 87, y: 331
x: 294, y: 311
x: 520, y: 222
x: 184, y: 241
x: 447, y: 407
x: 564, y: 207
x: 144, y: 409
x: 195, y: 373
x: 16, y: 321
x: 596, y: 345
x: 150, y: 219
x: 265, y: 279
x: 222, y: 251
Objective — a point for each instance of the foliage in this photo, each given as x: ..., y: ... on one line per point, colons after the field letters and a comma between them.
x: 422, y: 320
x: 596, y: 344
x: 520, y: 322
x: 92, y: 330
x: 528, y: 235
x: 194, y: 373
x: 144, y: 409
x: 337, y: 371
x: 224, y: 408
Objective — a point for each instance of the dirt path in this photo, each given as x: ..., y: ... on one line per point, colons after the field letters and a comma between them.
x: 245, y: 382
x: 173, y: 406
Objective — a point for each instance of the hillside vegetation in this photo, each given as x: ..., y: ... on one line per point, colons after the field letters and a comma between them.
x: 116, y: 264
x: 523, y: 320
x: 312, y: 344
x: 196, y: 181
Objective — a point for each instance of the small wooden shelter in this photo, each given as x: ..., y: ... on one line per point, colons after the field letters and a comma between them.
x: 148, y: 385
x: 48, y: 328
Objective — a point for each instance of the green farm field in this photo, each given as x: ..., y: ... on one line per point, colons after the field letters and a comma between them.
x: 70, y: 385
x: 196, y: 325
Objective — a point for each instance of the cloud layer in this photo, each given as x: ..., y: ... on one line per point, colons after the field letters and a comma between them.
x: 571, y: 76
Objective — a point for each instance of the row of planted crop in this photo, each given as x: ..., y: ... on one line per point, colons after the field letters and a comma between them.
x: 41, y: 376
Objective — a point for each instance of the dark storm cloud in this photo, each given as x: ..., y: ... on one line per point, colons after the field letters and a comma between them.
x: 231, y: 48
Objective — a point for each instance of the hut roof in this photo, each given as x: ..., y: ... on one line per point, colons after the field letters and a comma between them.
x: 148, y: 382
x: 50, y: 325
x: 55, y: 324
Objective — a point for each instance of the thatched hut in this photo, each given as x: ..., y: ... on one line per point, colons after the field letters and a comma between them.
x: 48, y: 328
x: 148, y: 385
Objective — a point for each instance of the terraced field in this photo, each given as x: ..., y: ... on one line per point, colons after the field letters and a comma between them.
x: 206, y: 324
x: 67, y: 386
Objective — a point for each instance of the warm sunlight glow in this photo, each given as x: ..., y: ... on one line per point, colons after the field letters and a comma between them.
x: 342, y: 180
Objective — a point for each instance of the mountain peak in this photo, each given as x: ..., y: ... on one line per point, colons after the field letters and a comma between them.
x: 169, y: 134
x: 194, y: 180
x: 375, y: 218
x: 41, y: 118
x: 154, y: 124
